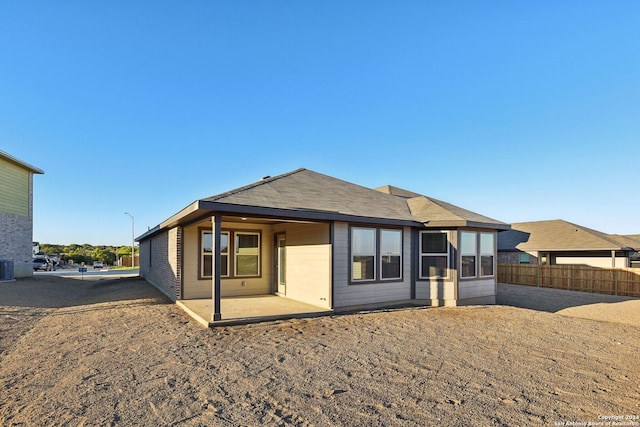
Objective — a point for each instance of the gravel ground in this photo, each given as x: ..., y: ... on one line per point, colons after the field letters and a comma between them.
x: 116, y: 352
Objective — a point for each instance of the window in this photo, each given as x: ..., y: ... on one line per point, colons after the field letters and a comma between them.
x: 376, y: 254
x: 206, y: 253
x: 224, y: 254
x: 363, y: 253
x: 434, y: 254
x: 524, y: 258
x: 247, y: 247
x: 391, y: 254
x: 472, y: 245
x: 468, y: 251
x: 486, y: 254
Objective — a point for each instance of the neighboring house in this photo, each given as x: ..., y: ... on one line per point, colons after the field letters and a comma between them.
x: 326, y: 242
x: 16, y: 213
x: 561, y: 242
x: 634, y: 241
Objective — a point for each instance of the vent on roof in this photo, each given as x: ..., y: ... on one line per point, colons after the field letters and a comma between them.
x: 265, y: 177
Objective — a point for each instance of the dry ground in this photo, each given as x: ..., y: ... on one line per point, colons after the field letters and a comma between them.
x: 118, y: 353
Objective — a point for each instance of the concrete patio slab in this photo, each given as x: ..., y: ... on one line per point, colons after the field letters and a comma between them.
x: 249, y: 309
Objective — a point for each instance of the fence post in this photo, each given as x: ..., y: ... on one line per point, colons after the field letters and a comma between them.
x: 615, y: 281
x: 538, y: 271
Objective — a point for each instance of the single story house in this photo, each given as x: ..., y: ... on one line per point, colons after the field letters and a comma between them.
x: 560, y: 242
x: 635, y: 258
x: 326, y: 242
x: 16, y: 216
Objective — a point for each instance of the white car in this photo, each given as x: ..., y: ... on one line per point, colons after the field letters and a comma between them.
x: 97, y: 264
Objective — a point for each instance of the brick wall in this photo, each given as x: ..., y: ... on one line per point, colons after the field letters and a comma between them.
x: 160, y: 261
x: 514, y: 257
x: 16, y: 242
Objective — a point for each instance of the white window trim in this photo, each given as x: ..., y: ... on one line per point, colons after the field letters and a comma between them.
x: 401, y: 233
x: 374, y: 254
x: 235, y: 257
x: 446, y: 233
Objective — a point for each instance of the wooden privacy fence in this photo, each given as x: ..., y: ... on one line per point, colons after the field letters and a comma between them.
x: 125, y: 261
x: 611, y: 281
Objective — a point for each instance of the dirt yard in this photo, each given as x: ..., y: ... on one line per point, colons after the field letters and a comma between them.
x: 116, y: 352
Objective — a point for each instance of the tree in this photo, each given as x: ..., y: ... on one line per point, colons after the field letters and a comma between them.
x: 126, y: 250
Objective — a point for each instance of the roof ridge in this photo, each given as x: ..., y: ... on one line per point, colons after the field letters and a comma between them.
x: 437, y: 203
x: 263, y: 181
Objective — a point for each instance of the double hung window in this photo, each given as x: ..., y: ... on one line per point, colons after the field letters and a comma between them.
x: 468, y: 253
x: 486, y: 254
x: 474, y: 245
x: 376, y: 254
x: 390, y: 254
x: 363, y: 253
x: 246, y: 255
x: 434, y: 254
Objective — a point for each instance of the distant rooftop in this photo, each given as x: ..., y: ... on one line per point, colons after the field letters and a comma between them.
x: 561, y: 235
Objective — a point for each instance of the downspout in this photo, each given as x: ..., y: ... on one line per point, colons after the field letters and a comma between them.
x: 332, y: 262
x: 414, y: 261
x: 215, y: 285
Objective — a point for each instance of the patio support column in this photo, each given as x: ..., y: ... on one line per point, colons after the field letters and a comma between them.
x: 613, y: 259
x: 216, y: 221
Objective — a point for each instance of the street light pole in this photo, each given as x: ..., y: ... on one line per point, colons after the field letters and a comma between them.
x: 133, y: 238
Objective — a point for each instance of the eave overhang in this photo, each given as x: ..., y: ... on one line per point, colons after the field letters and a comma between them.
x: 462, y: 223
x: 201, y: 209
x: 623, y: 249
x: 8, y: 157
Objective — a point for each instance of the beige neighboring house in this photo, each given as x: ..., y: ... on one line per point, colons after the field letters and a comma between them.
x: 558, y: 242
x: 326, y: 242
x: 16, y: 215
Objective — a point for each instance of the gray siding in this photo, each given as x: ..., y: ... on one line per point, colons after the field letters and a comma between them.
x: 471, y: 291
x: 361, y: 294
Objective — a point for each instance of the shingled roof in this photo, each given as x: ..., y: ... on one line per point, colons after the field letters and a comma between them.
x: 303, y: 189
x: 306, y: 194
x: 560, y: 235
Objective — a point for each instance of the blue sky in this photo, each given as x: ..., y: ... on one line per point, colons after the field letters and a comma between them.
x: 519, y: 111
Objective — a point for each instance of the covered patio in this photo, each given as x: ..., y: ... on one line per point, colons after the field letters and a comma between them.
x: 249, y: 309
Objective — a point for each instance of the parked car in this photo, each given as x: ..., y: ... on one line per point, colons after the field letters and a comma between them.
x: 97, y: 264
x: 41, y: 264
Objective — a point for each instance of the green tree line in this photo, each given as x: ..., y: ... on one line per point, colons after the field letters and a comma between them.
x: 87, y: 253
